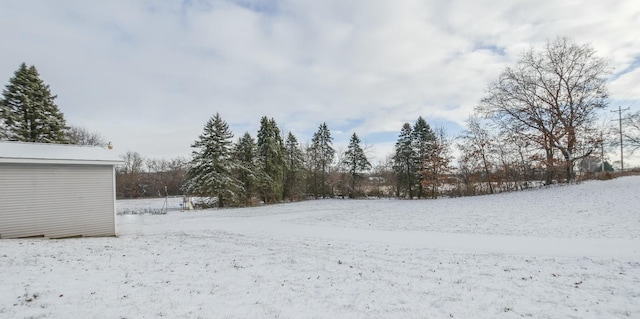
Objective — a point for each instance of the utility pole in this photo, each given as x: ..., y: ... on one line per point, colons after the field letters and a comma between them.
x: 620, y: 110
x: 602, y: 153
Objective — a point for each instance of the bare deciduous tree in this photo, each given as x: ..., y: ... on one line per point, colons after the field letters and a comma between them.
x: 438, y: 165
x: 81, y: 136
x: 165, y: 177
x: 129, y: 176
x: 550, y: 97
x: 632, y: 132
x: 478, y: 151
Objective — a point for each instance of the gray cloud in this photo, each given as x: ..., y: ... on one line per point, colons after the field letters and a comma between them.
x: 148, y: 75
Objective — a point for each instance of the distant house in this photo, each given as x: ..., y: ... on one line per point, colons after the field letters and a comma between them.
x: 55, y: 191
x: 590, y: 164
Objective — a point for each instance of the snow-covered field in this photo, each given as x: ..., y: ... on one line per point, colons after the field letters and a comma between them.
x: 562, y: 252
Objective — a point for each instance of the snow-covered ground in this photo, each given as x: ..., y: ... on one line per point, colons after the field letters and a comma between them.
x: 562, y: 252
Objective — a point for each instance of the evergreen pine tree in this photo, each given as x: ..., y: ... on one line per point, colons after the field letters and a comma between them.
x: 245, y: 155
x: 323, y: 154
x: 28, y: 112
x: 211, y: 168
x: 424, y: 145
x: 355, y: 161
x: 294, y: 164
x: 404, y: 161
x: 271, y: 160
x: 607, y: 167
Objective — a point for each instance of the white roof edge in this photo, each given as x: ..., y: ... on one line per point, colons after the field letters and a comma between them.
x: 57, y: 161
x: 21, y: 152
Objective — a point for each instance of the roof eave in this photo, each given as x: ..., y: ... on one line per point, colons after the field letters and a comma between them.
x: 58, y: 161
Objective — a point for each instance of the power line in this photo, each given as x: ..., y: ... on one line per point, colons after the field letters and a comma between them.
x: 629, y: 97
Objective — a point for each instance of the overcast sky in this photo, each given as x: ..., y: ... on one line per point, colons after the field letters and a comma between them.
x: 147, y: 75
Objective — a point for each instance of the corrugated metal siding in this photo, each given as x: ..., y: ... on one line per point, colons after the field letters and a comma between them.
x: 56, y: 200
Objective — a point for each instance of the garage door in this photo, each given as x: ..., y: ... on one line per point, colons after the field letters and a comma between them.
x: 56, y: 200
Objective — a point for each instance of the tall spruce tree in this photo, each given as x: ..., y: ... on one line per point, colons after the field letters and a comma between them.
x: 404, y: 162
x: 323, y: 155
x: 28, y: 112
x: 271, y: 160
x: 424, y: 145
x: 355, y: 161
x: 294, y: 164
x: 246, y: 171
x: 211, y: 168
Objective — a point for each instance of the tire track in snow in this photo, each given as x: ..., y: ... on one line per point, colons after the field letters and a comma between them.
x: 278, y: 225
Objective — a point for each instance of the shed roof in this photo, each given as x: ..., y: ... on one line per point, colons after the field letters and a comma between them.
x: 38, y: 153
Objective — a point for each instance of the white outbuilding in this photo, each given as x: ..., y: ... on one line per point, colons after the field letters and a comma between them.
x: 56, y: 190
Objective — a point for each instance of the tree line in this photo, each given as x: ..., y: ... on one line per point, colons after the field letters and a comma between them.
x: 146, y: 177
x: 270, y: 168
x: 537, y: 124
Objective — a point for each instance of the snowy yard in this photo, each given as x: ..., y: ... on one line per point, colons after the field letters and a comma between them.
x: 562, y: 252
